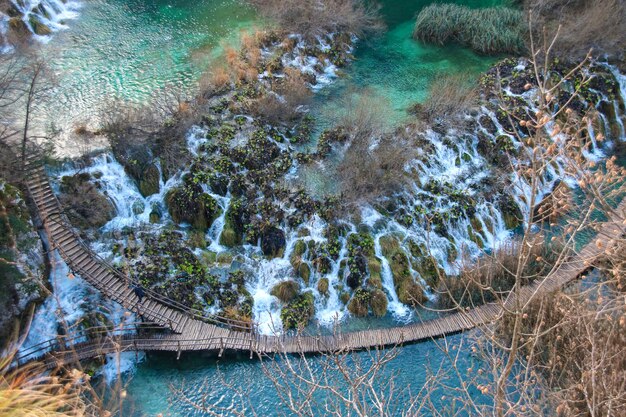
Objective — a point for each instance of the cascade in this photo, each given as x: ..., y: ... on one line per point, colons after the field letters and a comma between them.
x: 44, y: 17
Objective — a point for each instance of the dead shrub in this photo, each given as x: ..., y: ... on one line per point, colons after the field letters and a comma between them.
x: 585, y: 24
x: 282, y: 105
x: 374, y: 164
x: 449, y: 97
x: 492, y: 277
x: 318, y: 18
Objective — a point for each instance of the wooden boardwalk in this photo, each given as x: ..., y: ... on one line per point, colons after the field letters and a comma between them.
x: 187, y: 330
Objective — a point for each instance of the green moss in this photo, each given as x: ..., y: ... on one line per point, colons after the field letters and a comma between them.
x: 297, y: 313
x: 285, y: 291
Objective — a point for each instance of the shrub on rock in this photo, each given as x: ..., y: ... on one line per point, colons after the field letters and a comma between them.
x: 299, y: 311
x: 188, y: 204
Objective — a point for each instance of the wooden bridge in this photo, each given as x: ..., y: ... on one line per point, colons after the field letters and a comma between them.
x: 185, y: 329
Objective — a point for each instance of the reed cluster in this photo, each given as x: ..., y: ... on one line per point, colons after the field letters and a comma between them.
x: 491, y: 30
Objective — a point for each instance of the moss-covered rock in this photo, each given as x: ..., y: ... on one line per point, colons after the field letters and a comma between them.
x: 39, y: 28
x: 273, y: 242
x: 285, y: 291
x: 374, y: 266
x: 409, y: 292
x: 304, y: 272
x: 156, y: 213
x: 299, y: 248
x: 84, y: 204
x: 149, y: 182
x: 359, y: 303
x: 425, y: 264
x: 188, y: 204
x: 378, y: 303
x: 511, y: 213
x: 322, y: 286
x: 297, y: 313
x: 344, y: 297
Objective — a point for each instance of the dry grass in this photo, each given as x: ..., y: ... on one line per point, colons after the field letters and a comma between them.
x: 449, y: 97
x: 579, y: 345
x: 282, y: 104
x: 373, y: 165
x: 26, y: 392
x: 493, y: 276
x: 318, y: 18
x: 486, y: 30
x: 585, y: 24
x: 368, y: 173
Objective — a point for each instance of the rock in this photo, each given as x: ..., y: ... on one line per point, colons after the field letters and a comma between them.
x: 191, y: 206
x: 285, y: 291
x: 149, y: 182
x: 322, y: 286
x: 305, y: 272
x: 298, y: 312
x: 138, y: 207
x: 39, y: 28
x: 273, y: 242
x: 378, y: 303
x: 359, y: 303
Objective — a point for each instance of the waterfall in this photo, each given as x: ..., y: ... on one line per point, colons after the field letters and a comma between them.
x: 68, y: 303
x: 399, y: 310
x: 44, y: 17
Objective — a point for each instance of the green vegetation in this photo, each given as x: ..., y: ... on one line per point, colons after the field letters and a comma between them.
x: 299, y: 311
x: 488, y: 31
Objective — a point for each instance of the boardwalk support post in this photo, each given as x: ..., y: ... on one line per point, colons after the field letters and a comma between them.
x: 219, y: 355
x: 179, y: 350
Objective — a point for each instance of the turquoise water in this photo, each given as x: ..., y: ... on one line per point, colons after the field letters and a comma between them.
x: 125, y: 50
x: 204, y: 378
x: 398, y: 70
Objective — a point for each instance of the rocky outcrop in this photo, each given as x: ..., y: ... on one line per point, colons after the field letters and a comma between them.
x: 22, y: 260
